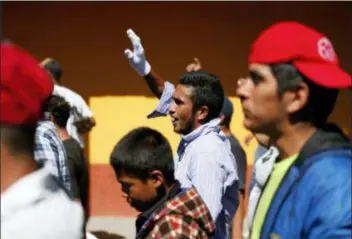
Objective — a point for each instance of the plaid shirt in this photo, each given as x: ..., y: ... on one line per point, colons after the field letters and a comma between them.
x: 50, y: 149
x: 183, y: 216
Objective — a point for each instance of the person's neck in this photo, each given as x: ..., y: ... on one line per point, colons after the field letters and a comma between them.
x: 63, y: 133
x: 225, y: 130
x: 17, y: 168
x: 291, y: 140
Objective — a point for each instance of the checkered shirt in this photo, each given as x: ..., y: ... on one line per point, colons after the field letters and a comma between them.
x: 184, y: 216
x: 50, y: 151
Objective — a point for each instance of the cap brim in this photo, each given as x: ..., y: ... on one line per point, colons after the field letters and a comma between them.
x: 326, y: 75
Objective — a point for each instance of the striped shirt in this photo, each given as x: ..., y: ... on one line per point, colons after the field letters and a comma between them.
x: 204, y: 160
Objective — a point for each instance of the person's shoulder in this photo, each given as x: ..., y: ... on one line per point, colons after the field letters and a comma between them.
x: 211, y: 142
x: 332, y: 160
x: 188, y: 210
x: 44, y: 127
x: 53, y: 215
x: 330, y: 169
x: 67, y: 93
x: 65, y: 214
x: 72, y: 143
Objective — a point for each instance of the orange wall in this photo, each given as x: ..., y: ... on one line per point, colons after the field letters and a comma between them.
x: 88, y: 38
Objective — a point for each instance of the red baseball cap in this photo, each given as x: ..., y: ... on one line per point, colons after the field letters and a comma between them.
x: 310, y: 52
x: 25, y: 86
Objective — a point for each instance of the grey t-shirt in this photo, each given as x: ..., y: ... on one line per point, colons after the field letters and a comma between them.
x: 241, y: 160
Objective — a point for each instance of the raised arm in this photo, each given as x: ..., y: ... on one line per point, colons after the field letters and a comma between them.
x: 137, y: 60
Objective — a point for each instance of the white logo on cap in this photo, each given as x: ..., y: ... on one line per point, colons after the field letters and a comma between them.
x: 326, y: 50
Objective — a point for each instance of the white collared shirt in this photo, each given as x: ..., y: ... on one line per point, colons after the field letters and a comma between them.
x: 37, y: 207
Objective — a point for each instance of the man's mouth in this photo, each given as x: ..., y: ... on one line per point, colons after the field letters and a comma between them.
x: 173, y: 120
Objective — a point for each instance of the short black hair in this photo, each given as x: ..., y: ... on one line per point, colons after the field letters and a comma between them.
x: 141, y: 151
x: 54, y: 68
x: 19, y: 139
x: 227, y: 112
x: 206, y: 91
x: 321, y: 100
x: 60, y: 109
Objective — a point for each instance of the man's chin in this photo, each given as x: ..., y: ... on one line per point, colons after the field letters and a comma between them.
x: 250, y: 126
x: 177, y: 130
x: 139, y: 208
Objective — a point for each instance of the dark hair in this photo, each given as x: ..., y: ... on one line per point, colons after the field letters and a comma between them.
x: 19, y: 139
x: 321, y: 100
x: 206, y: 91
x: 60, y: 109
x: 141, y: 151
x: 54, y: 68
x: 227, y: 111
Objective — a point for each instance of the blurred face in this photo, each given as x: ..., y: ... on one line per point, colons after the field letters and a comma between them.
x: 180, y: 110
x: 141, y: 195
x: 263, y: 109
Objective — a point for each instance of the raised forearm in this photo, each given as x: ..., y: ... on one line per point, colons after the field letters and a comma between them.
x: 155, y: 83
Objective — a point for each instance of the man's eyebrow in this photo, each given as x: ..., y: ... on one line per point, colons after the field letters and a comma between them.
x: 177, y: 99
x: 255, y: 73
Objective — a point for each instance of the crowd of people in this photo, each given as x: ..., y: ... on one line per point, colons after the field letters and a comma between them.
x: 301, y: 185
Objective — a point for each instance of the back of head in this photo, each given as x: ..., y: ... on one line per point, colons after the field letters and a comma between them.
x: 206, y: 91
x: 59, y: 109
x: 227, y: 112
x: 140, y: 152
x: 25, y: 86
x: 297, y: 53
x: 53, y: 67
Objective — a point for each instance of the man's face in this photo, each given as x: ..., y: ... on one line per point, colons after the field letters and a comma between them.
x: 262, y: 107
x: 181, y: 110
x: 141, y: 195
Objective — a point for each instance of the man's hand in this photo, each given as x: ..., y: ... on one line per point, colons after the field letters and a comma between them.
x: 194, y: 66
x: 85, y: 125
x: 136, y: 57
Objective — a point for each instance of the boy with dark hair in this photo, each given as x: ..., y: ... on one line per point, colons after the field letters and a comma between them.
x: 292, y: 88
x: 143, y: 163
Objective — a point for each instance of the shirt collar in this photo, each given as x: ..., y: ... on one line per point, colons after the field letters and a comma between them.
x: 212, y: 126
x: 143, y: 217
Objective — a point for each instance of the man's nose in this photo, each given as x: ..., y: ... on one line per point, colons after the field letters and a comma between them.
x: 243, y: 88
x: 172, y: 108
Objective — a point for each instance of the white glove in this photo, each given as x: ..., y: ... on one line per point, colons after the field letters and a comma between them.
x: 137, y: 58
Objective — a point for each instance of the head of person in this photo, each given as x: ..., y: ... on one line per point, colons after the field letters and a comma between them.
x: 226, y: 113
x: 143, y: 164
x: 59, y: 110
x: 24, y: 89
x: 53, y: 68
x: 198, y: 99
x: 294, y: 77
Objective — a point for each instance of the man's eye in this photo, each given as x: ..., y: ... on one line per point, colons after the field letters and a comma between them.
x: 177, y: 101
x: 125, y: 187
x: 255, y: 78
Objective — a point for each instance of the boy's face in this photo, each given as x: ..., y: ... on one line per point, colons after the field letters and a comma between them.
x: 140, y: 194
x: 263, y: 109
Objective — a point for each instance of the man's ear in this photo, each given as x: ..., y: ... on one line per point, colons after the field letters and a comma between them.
x: 202, y: 113
x: 156, y: 178
x: 222, y: 118
x: 295, y: 100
